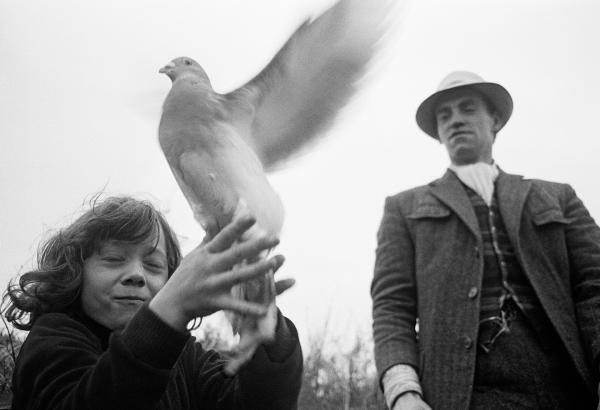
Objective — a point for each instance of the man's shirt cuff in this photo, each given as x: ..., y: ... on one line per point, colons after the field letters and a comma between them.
x: 400, y: 379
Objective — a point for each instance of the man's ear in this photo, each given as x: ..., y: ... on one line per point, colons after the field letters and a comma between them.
x: 497, y: 122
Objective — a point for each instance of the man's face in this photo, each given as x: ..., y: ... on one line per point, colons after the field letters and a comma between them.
x: 119, y: 277
x: 466, y: 127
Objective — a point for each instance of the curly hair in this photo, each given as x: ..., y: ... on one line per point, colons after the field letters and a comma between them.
x: 55, y: 285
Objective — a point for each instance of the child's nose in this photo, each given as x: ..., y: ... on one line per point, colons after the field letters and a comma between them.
x: 134, y: 275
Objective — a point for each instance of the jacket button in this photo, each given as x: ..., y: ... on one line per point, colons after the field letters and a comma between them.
x: 467, y: 342
x: 476, y: 249
x: 473, y: 292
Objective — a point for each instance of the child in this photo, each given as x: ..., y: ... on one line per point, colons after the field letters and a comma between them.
x: 107, y: 311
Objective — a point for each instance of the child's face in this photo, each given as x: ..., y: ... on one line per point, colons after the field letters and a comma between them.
x: 119, y: 277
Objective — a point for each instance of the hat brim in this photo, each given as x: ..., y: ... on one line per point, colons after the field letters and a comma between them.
x: 495, y: 93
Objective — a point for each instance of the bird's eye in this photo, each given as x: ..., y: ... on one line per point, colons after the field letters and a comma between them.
x: 187, y: 62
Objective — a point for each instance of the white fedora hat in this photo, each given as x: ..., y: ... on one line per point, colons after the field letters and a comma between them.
x: 495, y: 93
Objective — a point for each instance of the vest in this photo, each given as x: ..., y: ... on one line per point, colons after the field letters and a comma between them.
x: 504, y: 282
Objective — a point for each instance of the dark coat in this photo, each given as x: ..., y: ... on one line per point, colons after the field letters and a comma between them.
x: 72, y: 362
x: 429, y: 256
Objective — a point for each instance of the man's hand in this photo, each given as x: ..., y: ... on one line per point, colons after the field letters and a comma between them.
x: 202, y: 284
x: 410, y: 401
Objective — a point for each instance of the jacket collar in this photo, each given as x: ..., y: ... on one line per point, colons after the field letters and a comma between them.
x: 450, y: 191
x: 511, y: 193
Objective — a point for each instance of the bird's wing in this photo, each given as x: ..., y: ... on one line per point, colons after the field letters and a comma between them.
x: 312, y: 76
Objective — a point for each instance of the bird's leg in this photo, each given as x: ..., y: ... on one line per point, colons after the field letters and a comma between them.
x: 253, y: 331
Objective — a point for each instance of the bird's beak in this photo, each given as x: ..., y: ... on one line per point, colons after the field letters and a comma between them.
x: 166, y: 68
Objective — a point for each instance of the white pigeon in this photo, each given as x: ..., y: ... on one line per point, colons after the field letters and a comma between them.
x: 220, y: 145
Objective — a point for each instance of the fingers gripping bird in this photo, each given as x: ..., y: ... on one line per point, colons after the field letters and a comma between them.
x: 220, y: 145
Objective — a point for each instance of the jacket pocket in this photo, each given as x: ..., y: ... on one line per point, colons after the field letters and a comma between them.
x: 549, y: 216
x: 429, y: 211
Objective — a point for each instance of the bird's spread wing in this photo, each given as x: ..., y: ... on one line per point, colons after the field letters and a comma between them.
x: 313, y: 75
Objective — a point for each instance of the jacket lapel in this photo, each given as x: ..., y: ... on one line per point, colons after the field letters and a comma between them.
x: 450, y: 191
x: 511, y: 194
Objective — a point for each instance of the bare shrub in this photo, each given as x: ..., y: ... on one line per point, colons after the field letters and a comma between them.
x: 10, y: 344
x: 340, y: 379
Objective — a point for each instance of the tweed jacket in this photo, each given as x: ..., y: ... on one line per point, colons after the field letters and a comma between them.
x: 430, y: 256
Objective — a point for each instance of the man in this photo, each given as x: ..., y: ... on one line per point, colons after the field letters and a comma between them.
x: 501, y: 272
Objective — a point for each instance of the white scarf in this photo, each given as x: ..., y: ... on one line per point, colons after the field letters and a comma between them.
x: 479, y: 177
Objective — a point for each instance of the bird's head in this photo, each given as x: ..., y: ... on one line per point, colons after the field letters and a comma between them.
x: 183, y: 66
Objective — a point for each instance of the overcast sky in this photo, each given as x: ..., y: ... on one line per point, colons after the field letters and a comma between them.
x: 80, y: 101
